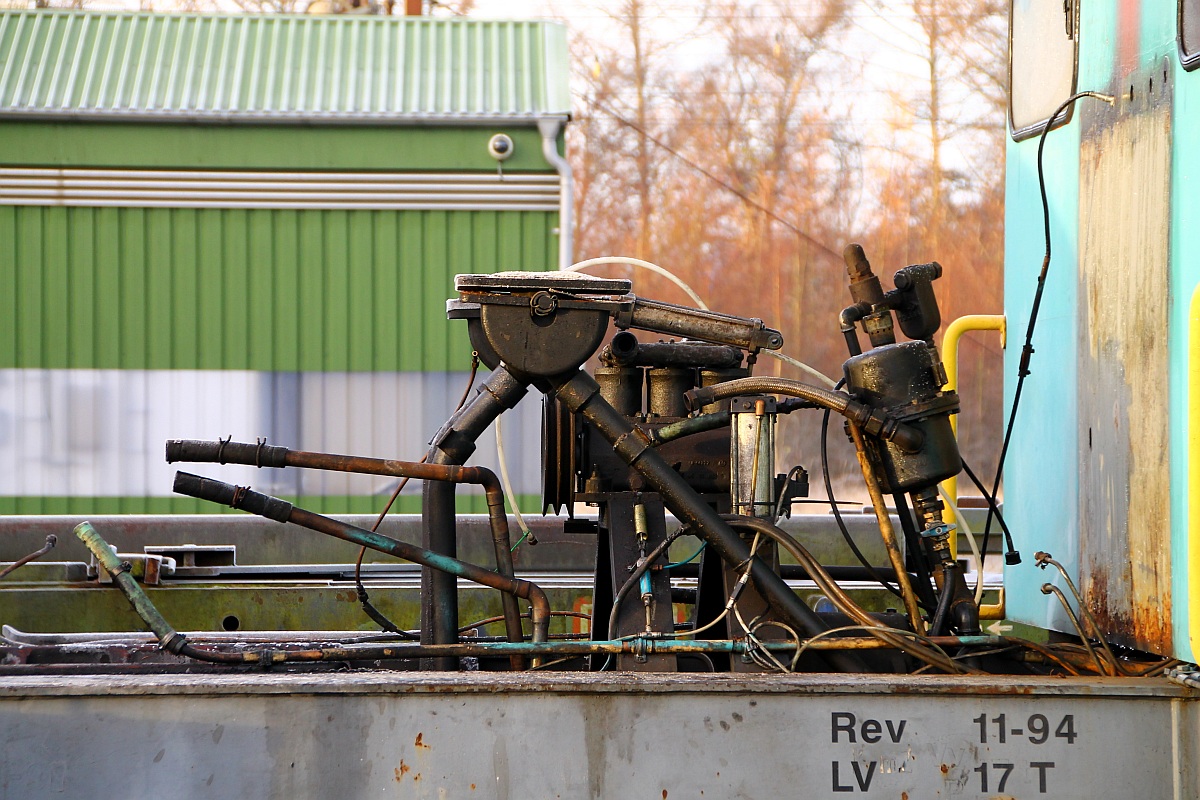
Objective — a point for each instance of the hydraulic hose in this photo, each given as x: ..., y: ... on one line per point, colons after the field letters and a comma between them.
x: 871, y: 420
x: 263, y: 505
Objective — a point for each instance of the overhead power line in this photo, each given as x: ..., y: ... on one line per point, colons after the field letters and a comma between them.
x: 745, y: 198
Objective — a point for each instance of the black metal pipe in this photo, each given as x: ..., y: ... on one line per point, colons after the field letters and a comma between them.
x: 264, y: 505
x: 626, y: 351
x: 581, y: 394
x: 196, y: 451
x: 454, y: 444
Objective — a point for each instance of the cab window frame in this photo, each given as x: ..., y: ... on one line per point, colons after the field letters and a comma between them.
x: 1189, y: 61
x: 1033, y: 129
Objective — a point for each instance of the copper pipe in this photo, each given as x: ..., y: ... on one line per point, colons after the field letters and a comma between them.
x: 887, y: 532
x: 271, y: 456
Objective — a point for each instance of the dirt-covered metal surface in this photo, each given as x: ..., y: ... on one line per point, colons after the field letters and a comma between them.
x: 601, y: 735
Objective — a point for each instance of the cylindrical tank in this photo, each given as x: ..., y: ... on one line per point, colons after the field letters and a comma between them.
x: 906, y: 380
x: 622, y: 388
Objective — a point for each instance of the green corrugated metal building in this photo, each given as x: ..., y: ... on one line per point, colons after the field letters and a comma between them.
x: 248, y: 226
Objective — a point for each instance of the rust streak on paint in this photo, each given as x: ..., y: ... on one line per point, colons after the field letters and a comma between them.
x: 1124, y: 472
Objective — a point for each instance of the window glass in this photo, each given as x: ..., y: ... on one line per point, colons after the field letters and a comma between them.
x: 1189, y: 33
x: 1041, y: 65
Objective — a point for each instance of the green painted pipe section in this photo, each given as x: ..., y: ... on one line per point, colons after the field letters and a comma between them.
x: 170, y: 639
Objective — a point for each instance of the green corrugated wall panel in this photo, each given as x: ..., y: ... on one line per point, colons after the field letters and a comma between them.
x: 301, y: 147
x: 280, y: 66
x: 8, y: 285
x: 260, y: 289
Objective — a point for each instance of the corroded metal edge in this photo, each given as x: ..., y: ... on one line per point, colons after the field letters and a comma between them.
x: 360, y: 683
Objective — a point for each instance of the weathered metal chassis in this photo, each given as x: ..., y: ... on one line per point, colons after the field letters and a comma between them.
x: 597, y: 735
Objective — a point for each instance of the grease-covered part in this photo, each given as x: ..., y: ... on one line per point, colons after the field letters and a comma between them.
x: 905, y: 380
x: 626, y: 351
x: 622, y: 387
x: 665, y: 388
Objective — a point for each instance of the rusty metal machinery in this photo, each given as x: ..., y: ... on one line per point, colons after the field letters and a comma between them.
x: 663, y: 439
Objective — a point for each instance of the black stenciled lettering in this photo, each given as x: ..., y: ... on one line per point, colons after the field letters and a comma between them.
x: 872, y: 731
x: 864, y: 781
x: 896, y: 731
x: 838, y: 786
x: 1041, y: 767
x: 862, y: 776
x: 844, y: 722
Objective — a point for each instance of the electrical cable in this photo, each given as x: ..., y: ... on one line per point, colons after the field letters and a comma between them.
x: 363, y: 598
x: 962, y: 523
x: 800, y: 365
x: 993, y: 507
x: 837, y: 514
x: 645, y: 564
x: 689, y: 559
x: 637, y: 262
x: 508, y: 489
x: 730, y: 603
x: 794, y: 471
x: 1012, y: 556
x: 928, y: 652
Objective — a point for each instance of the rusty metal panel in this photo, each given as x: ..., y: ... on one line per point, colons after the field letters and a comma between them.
x: 598, y: 735
x: 1124, y: 469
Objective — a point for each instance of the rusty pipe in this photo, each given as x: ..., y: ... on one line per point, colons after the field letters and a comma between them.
x: 51, y: 540
x: 263, y: 455
x: 245, y: 499
x: 171, y: 640
x: 887, y: 531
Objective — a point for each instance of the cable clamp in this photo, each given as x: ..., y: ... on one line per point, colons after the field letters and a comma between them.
x: 258, y: 452
x: 221, y: 447
x: 239, y: 494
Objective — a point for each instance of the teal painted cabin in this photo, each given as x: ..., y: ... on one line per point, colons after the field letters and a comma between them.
x: 1104, y: 469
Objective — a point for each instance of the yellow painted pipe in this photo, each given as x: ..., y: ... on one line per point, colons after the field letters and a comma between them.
x: 1193, y: 473
x: 996, y: 611
x: 955, y: 331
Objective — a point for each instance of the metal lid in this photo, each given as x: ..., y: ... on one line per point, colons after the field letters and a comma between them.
x: 573, y: 282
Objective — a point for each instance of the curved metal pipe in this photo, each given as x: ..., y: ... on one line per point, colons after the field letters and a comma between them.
x: 689, y: 426
x: 872, y: 420
x: 264, y: 505
x: 262, y: 455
